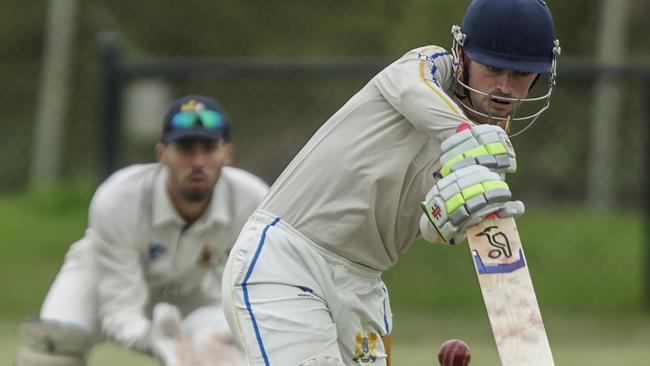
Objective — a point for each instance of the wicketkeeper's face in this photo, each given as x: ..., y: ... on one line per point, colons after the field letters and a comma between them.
x: 194, y: 165
x: 499, y: 83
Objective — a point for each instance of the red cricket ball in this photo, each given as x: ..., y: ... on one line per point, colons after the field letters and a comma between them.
x: 454, y: 352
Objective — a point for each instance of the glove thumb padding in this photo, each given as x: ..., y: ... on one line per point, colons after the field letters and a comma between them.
x: 428, y: 232
x: 512, y: 209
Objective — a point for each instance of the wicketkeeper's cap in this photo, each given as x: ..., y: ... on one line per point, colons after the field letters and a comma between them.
x: 195, y: 116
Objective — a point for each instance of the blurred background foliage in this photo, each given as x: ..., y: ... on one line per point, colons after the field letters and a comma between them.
x: 583, y: 260
x: 290, y: 109
x: 273, y: 116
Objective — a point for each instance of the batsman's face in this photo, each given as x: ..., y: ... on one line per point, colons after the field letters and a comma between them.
x: 194, y: 166
x: 500, y: 83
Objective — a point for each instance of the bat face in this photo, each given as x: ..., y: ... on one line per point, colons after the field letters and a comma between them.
x: 508, y: 293
x: 499, y: 253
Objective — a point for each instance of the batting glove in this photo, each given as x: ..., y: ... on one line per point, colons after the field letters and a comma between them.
x: 486, y: 145
x: 463, y: 199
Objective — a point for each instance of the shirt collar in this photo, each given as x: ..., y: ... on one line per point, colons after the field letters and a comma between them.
x: 218, y: 211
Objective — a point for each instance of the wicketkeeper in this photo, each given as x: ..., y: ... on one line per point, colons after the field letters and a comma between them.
x: 147, y: 273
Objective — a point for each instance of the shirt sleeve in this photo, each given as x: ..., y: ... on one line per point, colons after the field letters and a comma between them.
x: 415, y: 86
x: 121, y: 287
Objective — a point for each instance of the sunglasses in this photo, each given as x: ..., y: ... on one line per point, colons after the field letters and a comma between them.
x: 210, y: 120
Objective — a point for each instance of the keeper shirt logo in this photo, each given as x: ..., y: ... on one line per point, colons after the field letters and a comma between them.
x: 156, y: 250
x: 207, y: 258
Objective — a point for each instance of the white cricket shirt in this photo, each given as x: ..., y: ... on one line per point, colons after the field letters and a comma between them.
x: 144, y: 251
x: 355, y: 188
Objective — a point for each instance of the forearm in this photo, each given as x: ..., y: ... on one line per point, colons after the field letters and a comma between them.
x: 122, y: 295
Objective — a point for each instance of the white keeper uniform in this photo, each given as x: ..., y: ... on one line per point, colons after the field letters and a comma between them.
x: 303, y: 279
x: 138, y: 251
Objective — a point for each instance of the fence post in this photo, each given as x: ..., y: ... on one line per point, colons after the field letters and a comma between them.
x: 53, y: 92
x: 646, y: 261
x: 109, y: 100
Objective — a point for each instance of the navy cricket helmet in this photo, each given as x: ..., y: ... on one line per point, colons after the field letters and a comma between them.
x: 511, y: 35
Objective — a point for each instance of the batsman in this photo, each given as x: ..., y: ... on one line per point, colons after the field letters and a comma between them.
x: 302, y: 286
x: 147, y: 273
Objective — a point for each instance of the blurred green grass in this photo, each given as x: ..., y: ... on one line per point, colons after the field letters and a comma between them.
x: 587, y: 269
x: 37, y: 229
x: 575, y: 340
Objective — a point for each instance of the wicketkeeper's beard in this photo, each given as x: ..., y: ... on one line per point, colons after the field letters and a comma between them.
x: 196, y: 195
x: 201, y: 193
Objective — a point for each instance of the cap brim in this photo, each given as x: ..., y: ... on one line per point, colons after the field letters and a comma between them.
x: 198, y: 133
x: 506, y: 64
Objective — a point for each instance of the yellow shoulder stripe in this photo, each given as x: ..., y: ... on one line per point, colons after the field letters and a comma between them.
x: 429, y: 84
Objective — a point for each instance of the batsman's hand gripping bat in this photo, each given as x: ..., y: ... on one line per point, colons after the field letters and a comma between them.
x: 508, y: 293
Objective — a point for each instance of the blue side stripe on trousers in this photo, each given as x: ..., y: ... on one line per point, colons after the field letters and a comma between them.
x: 386, y: 319
x: 244, y: 286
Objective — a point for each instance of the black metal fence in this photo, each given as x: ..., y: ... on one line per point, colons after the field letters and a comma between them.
x: 294, y: 96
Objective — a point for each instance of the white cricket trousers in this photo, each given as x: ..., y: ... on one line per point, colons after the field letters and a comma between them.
x: 289, y: 300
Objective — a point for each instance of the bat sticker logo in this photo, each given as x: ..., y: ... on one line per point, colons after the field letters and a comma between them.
x: 498, y: 240
x: 499, y: 267
x: 501, y: 243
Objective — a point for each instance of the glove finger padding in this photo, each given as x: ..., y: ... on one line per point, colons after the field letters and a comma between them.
x: 486, y: 145
x: 464, y: 198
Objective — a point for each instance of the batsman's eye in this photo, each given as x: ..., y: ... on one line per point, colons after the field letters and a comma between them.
x: 493, y: 68
x: 522, y: 73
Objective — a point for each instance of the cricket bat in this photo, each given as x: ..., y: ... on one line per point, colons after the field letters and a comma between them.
x: 508, y: 293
